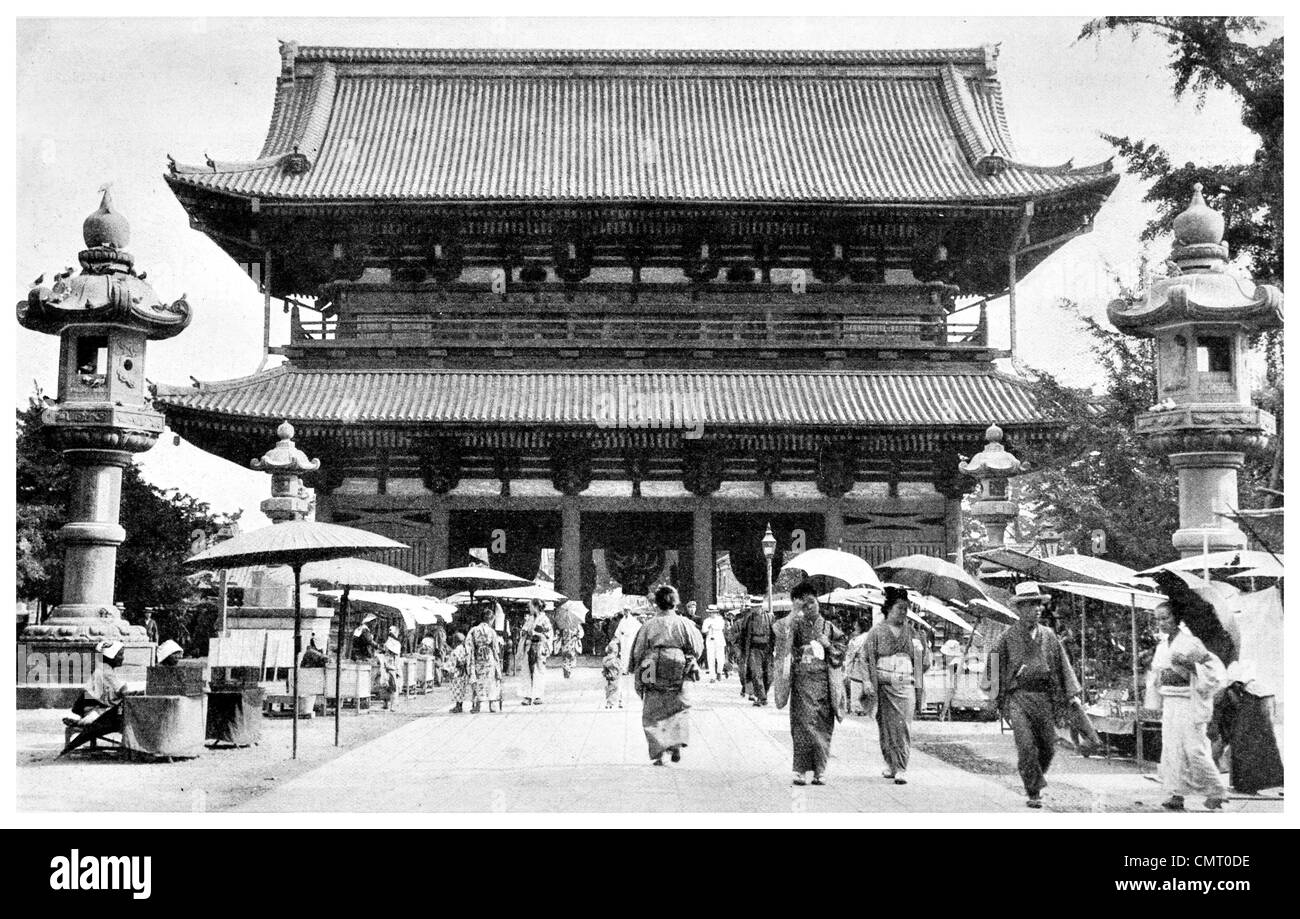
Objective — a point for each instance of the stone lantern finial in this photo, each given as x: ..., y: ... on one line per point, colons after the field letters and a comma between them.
x: 106, y: 227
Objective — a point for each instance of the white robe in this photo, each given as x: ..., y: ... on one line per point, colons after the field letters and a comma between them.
x: 625, y: 634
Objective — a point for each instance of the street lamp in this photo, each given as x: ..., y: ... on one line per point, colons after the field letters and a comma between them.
x: 1050, y: 541
x: 769, y: 550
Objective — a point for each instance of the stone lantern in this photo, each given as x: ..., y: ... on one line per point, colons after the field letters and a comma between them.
x: 104, y: 316
x: 993, y: 504
x: 1201, y: 318
x: 269, y: 597
x: 287, y: 464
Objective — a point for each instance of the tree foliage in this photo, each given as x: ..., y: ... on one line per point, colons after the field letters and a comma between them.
x: 1217, y: 53
x: 158, y: 523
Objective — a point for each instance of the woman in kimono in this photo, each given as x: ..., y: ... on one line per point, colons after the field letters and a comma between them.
x: 458, y: 658
x: 816, y: 649
x: 894, y: 657
x: 485, y: 662
x: 664, y: 655
x: 538, y: 633
x: 1186, y: 674
x: 1244, y: 724
x: 570, y: 645
x: 625, y: 636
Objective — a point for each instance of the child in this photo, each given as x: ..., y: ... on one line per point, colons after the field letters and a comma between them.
x: 610, y: 666
x: 459, y: 670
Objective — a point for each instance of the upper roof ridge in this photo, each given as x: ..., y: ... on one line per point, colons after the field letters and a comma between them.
x: 984, y: 55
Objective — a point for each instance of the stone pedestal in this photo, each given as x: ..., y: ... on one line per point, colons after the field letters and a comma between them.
x: 1207, y: 487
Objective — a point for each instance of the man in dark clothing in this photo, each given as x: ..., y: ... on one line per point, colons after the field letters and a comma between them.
x: 151, y: 627
x: 363, y: 643
x: 759, y: 642
x: 1034, y: 683
x: 312, y: 657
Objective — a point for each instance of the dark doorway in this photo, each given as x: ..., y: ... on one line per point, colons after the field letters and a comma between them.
x: 514, y: 539
x: 636, y: 549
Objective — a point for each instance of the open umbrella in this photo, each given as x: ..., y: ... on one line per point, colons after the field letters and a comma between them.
x: 934, y: 577
x: 540, y: 592
x: 845, y: 567
x: 294, y: 543
x: 937, y: 608
x: 571, y: 615
x: 991, y: 609
x: 474, y: 578
x: 1079, y: 569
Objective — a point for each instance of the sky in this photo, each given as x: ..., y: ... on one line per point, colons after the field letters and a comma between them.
x: 105, y: 101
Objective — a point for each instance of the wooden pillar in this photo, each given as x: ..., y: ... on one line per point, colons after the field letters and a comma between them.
x: 833, y: 524
x: 702, y: 590
x: 570, y: 549
x: 439, y: 537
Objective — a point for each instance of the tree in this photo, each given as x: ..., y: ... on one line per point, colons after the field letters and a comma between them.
x: 158, y: 525
x: 1215, y: 53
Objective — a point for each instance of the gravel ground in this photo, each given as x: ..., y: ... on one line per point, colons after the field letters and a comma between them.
x: 218, y: 779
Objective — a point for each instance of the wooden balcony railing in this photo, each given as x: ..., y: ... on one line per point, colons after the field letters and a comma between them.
x: 713, y: 330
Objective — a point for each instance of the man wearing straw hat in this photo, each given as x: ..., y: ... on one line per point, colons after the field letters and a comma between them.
x: 1033, y: 681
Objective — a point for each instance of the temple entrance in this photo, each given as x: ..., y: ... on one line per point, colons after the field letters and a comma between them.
x: 636, y: 551
x: 741, y: 537
x: 514, y: 540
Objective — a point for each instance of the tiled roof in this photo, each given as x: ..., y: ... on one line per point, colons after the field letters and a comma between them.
x: 720, y: 398
x: 664, y: 126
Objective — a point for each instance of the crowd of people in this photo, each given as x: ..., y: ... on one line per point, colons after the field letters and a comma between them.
x: 805, y: 662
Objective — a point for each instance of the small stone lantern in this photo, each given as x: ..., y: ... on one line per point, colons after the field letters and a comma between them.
x: 993, y: 504
x: 267, y: 596
x: 1201, y: 318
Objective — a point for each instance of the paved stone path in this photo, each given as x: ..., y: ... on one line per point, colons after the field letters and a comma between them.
x: 572, y: 754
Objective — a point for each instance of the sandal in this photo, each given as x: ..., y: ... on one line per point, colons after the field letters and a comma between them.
x: 526, y: 702
x: 799, y: 779
x: 818, y: 780
x: 1174, y: 803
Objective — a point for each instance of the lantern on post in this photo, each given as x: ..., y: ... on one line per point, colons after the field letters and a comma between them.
x: 769, y: 552
x: 104, y: 317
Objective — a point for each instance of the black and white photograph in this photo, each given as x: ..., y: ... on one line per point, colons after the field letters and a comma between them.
x: 826, y: 420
